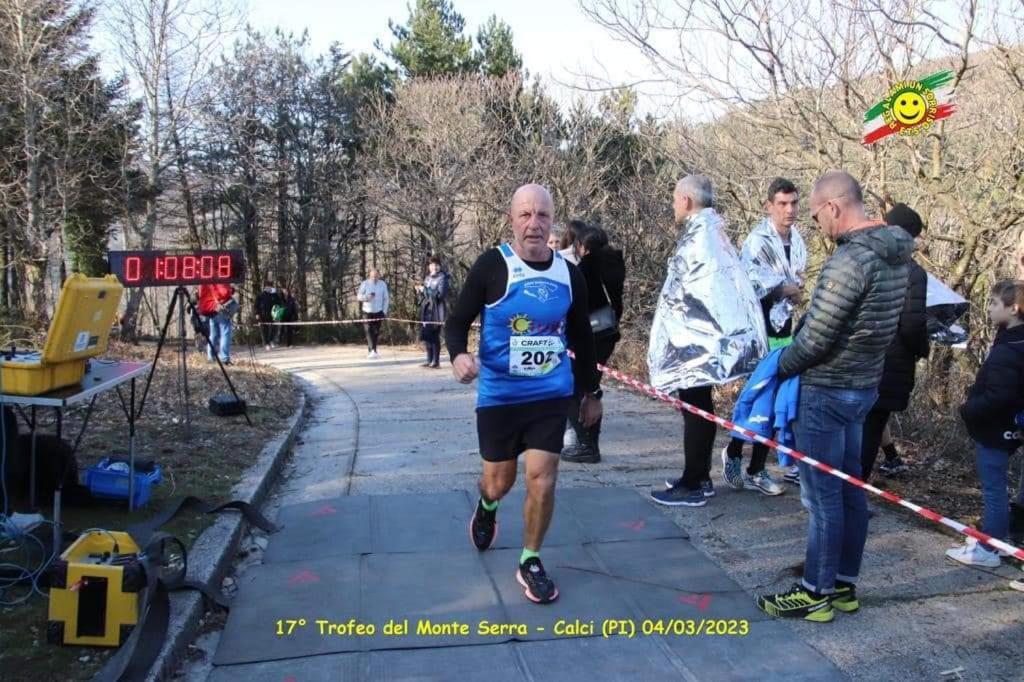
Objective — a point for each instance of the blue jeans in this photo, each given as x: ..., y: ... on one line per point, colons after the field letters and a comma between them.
x: 829, y: 426
x: 993, y: 465
x: 220, y: 337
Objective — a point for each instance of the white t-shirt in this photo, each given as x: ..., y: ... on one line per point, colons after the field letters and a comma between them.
x: 379, y: 302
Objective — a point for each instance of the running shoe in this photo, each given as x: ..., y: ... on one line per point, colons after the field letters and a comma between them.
x: 732, y: 470
x: 798, y: 602
x: 845, y: 598
x: 892, y: 467
x: 580, y: 454
x: 762, y: 481
x: 793, y: 475
x: 707, y: 488
x: 679, y: 496
x: 483, y: 527
x: 537, y: 586
x: 972, y: 553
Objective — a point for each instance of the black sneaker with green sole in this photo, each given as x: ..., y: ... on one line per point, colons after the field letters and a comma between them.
x: 845, y: 598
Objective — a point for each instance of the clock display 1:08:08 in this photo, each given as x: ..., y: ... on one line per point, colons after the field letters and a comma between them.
x: 180, y: 268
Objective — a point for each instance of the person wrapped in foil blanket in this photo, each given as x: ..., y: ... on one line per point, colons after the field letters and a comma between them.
x: 764, y: 258
x: 708, y: 327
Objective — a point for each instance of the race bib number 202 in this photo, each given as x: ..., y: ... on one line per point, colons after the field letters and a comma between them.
x: 533, y: 356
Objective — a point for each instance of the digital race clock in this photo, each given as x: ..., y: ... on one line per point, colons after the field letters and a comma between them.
x: 173, y: 268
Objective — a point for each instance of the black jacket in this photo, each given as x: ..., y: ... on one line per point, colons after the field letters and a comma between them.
x: 910, y: 345
x: 854, y: 311
x: 291, y: 310
x: 265, y: 302
x: 605, y: 273
x: 998, y: 393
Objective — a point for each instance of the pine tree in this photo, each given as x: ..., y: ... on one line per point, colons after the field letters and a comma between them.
x: 432, y: 42
x: 496, y: 53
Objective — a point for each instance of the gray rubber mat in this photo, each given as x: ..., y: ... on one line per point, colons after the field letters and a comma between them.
x: 367, y: 524
x: 614, y: 514
x: 490, y: 663
x: 407, y: 560
x: 296, y: 594
x: 439, y: 587
x: 609, y: 660
x: 426, y: 522
x: 312, y: 669
x: 322, y: 528
x: 316, y: 602
x: 581, y: 660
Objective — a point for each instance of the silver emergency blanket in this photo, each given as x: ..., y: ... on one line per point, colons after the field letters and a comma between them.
x: 708, y: 327
x: 944, y: 308
x: 764, y: 258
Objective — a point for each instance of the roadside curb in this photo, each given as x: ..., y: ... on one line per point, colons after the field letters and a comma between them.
x: 213, y: 552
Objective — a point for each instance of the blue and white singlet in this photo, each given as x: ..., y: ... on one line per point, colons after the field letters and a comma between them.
x: 522, y: 338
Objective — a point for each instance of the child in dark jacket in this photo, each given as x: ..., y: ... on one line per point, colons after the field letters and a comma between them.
x: 992, y: 405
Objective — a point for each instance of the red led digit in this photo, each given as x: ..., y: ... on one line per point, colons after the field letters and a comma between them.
x: 206, y: 267
x: 159, y: 271
x: 171, y: 267
x: 132, y: 269
x: 223, y: 267
x: 188, y: 267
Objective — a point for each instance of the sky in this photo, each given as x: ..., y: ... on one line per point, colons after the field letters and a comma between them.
x: 556, y: 39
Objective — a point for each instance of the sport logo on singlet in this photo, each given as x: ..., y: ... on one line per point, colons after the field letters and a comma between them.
x: 541, y: 290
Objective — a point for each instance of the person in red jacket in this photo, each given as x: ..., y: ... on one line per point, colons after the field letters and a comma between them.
x: 218, y: 306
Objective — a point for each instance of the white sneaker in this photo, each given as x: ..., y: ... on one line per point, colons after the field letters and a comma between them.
x: 375, y: 354
x: 972, y: 553
x: 267, y: 347
x: 1017, y: 585
x: 762, y: 481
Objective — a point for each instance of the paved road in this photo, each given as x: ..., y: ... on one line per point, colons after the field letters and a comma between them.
x: 922, y: 617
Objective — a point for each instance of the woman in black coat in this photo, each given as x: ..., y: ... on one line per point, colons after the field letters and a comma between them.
x: 432, y: 296
x: 910, y: 345
x: 604, y: 270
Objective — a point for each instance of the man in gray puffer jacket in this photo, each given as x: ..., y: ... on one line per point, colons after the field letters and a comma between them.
x: 839, y: 353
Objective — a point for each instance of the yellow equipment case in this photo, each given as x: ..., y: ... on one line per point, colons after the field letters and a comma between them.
x: 80, y: 330
x: 94, y: 590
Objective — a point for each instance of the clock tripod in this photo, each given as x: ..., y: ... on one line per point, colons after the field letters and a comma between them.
x: 181, y: 300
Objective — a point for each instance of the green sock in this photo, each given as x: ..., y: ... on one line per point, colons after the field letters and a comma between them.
x: 528, y: 554
x: 489, y: 506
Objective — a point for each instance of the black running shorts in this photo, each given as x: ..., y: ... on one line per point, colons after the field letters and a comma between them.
x: 506, y: 431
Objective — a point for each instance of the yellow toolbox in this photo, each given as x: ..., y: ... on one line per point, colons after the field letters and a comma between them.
x: 80, y: 330
x: 94, y: 590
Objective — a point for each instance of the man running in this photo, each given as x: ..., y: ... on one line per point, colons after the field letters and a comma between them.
x: 533, y: 308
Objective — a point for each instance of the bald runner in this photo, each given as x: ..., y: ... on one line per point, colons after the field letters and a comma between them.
x: 532, y: 305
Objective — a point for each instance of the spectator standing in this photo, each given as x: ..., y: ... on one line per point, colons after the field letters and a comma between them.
x: 774, y: 255
x: 291, y: 314
x: 604, y: 271
x: 910, y: 345
x: 218, y: 306
x: 375, y: 302
x: 993, y: 402
x: 839, y: 352
x: 265, y: 304
x: 433, y: 310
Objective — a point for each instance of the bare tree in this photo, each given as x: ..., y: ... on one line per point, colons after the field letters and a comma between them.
x: 167, y: 48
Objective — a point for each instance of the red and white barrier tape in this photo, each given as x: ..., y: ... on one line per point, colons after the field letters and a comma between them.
x: 1013, y: 551
x: 922, y: 511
